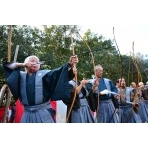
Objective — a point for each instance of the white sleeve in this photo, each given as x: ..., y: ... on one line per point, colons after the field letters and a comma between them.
x: 128, y: 102
x: 11, y: 66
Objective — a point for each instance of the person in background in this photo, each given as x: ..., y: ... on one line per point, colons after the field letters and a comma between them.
x: 133, y: 85
x: 143, y: 108
x: 128, y: 103
x: 141, y: 85
x: 146, y: 84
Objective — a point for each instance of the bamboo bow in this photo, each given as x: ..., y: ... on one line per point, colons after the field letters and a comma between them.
x: 93, y: 62
x: 121, y: 62
x: 75, y: 73
x: 135, y: 63
x: 5, y: 88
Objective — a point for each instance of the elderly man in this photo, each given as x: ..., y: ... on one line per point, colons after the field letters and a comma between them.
x: 105, y: 95
x: 35, y: 87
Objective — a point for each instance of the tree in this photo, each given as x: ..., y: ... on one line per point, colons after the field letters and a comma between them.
x: 53, y: 45
x: 26, y: 37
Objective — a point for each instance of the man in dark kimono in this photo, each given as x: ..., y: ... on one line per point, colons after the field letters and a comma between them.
x: 36, y: 87
x: 103, y: 99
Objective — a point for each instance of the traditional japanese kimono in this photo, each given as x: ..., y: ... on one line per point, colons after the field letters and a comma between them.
x: 143, y: 108
x: 128, y: 114
x: 106, y: 112
x: 81, y: 112
x: 36, y: 90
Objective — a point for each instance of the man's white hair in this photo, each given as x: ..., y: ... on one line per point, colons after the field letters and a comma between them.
x: 28, y: 58
x: 140, y: 84
x: 98, y: 67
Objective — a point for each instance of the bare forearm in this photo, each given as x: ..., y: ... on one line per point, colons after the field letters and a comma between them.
x: 79, y: 88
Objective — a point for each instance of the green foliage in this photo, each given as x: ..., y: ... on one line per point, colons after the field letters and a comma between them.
x: 52, y: 44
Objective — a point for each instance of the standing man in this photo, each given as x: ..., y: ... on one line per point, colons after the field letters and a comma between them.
x: 35, y: 87
x: 143, y: 108
x: 128, y: 103
x: 108, y: 94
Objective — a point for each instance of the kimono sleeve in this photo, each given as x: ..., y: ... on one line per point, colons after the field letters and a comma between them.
x: 115, y: 90
x: 13, y: 80
x: 56, y: 83
x: 92, y: 98
x: 69, y: 101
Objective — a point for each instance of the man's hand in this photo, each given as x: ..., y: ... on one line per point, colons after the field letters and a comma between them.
x: 73, y: 60
x: 117, y: 96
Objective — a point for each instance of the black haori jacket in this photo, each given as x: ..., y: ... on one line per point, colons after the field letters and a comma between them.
x: 55, y: 82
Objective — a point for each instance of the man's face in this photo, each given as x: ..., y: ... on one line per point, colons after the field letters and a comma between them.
x: 133, y: 85
x: 34, y: 67
x: 141, y: 85
x: 122, y: 82
x: 99, y: 72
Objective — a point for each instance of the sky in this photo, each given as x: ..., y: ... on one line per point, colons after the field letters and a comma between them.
x: 128, y: 17
x: 125, y: 35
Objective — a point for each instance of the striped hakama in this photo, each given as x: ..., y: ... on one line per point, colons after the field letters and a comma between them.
x: 127, y: 115
x: 83, y: 114
x: 106, y: 112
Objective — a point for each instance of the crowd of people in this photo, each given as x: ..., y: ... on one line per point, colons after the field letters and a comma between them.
x: 96, y: 100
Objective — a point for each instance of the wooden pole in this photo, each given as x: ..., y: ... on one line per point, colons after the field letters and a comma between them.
x: 9, y: 43
x: 16, y: 53
x: 76, y: 79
